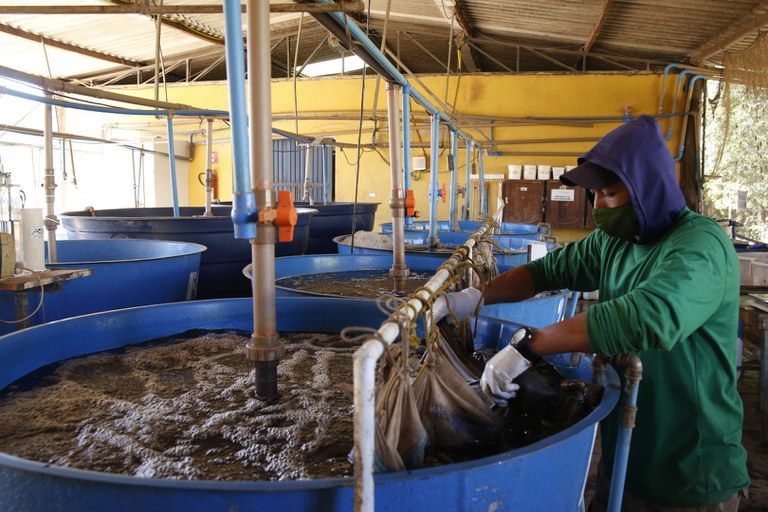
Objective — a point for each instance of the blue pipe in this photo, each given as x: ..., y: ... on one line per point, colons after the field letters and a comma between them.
x: 681, y: 149
x: 483, y: 199
x: 405, y: 91
x: 674, y: 102
x: 667, y: 69
x: 454, y: 153
x: 172, y: 160
x: 468, y: 170
x: 433, y: 240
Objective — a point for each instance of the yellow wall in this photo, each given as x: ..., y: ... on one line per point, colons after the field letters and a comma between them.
x: 512, y: 96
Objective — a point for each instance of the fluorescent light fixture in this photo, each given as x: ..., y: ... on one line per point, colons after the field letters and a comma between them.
x: 333, y: 67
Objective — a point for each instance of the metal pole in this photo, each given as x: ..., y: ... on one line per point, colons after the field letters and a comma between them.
x: 264, y: 347
x: 483, y: 199
x: 452, y: 162
x: 406, y: 93
x: 468, y: 185
x: 208, y: 170
x: 399, y: 270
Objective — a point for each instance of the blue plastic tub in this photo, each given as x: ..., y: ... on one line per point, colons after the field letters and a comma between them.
x: 220, y: 266
x: 125, y: 273
x: 518, y: 246
x: 415, y: 230
x: 334, y: 219
x: 521, y: 479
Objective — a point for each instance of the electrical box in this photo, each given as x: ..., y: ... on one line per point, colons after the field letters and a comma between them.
x: 419, y: 163
x: 523, y: 201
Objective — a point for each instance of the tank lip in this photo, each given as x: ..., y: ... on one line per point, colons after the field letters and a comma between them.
x: 112, y: 218
x: 610, y: 397
x: 193, y: 249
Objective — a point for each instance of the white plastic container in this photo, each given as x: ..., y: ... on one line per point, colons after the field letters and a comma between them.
x: 544, y: 172
x: 515, y: 171
x: 33, y: 238
x: 557, y: 172
x: 529, y: 172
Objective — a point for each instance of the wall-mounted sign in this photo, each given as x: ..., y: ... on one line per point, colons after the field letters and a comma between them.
x: 562, y: 194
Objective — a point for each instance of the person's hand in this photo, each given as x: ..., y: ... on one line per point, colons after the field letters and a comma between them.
x: 462, y: 304
x: 500, y: 372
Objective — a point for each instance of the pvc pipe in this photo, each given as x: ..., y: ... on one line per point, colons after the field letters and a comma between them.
x: 364, y: 372
x: 397, y: 197
x: 308, y: 175
x: 208, y: 170
x: 172, y: 161
x: 243, y: 201
x: 632, y: 377
x: 406, y: 96
x: 684, y: 128
x: 326, y: 198
x: 467, y: 204
x: 454, y: 221
x: 667, y: 69
x: 50, y: 185
x: 674, y: 101
x: 483, y: 198
x: 433, y: 240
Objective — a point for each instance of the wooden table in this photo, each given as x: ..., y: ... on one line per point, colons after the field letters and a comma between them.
x: 50, y: 280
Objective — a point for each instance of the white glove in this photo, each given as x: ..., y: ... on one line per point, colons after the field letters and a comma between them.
x: 462, y: 303
x: 499, y: 373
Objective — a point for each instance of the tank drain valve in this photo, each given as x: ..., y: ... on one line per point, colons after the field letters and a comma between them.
x: 286, y: 216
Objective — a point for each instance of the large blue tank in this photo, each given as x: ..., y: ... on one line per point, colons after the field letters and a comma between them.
x: 220, y: 266
x: 414, y: 230
x: 417, y: 240
x: 125, y: 273
x: 546, y: 476
x: 334, y: 219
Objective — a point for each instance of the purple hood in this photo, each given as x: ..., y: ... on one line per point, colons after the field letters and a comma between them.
x: 637, y: 153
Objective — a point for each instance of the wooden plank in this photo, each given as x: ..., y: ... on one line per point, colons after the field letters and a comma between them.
x: 24, y: 282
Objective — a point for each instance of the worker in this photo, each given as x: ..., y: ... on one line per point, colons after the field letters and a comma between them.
x: 668, y: 285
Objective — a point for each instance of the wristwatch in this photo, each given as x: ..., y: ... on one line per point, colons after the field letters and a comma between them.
x: 521, y: 339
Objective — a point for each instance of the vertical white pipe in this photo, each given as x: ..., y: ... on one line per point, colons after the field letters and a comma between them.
x: 208, y: 169
x: 50, y: 183
x: 308, y: 175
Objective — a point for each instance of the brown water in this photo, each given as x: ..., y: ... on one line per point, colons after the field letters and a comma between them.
x: 184, y: 408
x: 358, y: 283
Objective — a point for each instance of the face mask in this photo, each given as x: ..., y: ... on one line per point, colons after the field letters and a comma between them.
x: 620, y: 222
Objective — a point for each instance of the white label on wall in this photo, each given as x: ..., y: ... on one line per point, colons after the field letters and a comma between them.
x: 523, y: 189
x: 559, y: 194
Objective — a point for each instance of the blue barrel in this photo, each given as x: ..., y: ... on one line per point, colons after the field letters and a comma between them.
x: 334, y: 219
x: 470, y: 226
x: 220, y: 266
x: 418, y: 246
x: 521, y: 479
x: 125, y: 273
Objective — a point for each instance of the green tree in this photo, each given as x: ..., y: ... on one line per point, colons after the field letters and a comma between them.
x: 736, y: 158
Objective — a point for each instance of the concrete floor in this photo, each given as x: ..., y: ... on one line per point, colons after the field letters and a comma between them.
x: 755, y: 439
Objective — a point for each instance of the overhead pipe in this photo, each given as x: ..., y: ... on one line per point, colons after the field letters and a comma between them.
x: 405, y: 92
x: 454, y: 221
x: 364, y: 374
x: 433, y: 183
x: 688, y: 102
x: 663, y: 93
x: 673, y: 112
x: 50, y: 185
x: 399, y: 270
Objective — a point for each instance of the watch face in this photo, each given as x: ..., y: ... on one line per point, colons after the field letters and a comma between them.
x: 519, y: 335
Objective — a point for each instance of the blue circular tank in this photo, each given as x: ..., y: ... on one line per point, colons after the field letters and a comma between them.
x: 220, y: 266
x: 521, y: 479
x: 334, y: 219
x: 412, y: 230
x: 125, y: 273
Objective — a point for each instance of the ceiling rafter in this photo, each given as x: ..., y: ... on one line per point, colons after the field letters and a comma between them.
x: 598, y: 26
x: 129, y: 7
x: 468, y: 31
x: 753, y: 22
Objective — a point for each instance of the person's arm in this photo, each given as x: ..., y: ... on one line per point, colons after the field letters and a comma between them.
x: 514, y: 285
x: 567, y: 336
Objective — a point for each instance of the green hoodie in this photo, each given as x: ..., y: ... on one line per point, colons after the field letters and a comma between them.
x: 673, y: 300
